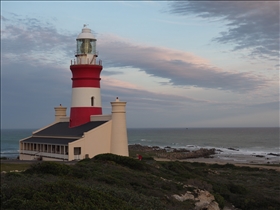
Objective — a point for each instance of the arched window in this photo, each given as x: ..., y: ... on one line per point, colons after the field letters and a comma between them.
x: 92, y: 101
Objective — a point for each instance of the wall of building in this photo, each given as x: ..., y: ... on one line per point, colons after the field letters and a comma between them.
x: 96, y: 141
x: 50, y: 159
x: 27, y: 157
x: 100, y: 117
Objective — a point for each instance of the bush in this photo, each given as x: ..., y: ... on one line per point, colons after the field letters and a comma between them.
x: 53, y: 168
x: 237, y: 189
x: 228, y: 165
x: 121, y: 160
x: 62, y: 195
x: 220, y: 200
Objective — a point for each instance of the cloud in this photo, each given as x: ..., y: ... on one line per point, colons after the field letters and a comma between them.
x: 32, y: 39
x: 139, y: 96
x: 252, y: 25
x: 181, y: 68
x: 171, y: 110
x: 31, y: 36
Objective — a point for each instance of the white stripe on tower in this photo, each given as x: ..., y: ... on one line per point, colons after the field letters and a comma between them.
x: 86, y: 97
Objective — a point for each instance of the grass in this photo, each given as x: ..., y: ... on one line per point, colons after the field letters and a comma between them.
x: 14, y: 166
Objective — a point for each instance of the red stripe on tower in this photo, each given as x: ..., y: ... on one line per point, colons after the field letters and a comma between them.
x: 86, y: 99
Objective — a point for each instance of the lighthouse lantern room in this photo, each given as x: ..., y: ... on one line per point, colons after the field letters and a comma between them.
x: 86, y: 47
x: 86, y: 99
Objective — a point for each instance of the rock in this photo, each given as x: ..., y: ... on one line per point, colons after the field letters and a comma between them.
x: 186, y: 196
x: 213, y: 206
x: 274, y: 154
x: 181, y: 150
x: 139, y: 147
x: 204, y: 199
x: 233, y: 149
x: 173, y: 154
x: 260, y: 156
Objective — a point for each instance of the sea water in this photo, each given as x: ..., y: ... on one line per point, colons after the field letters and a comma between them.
x: 258, y: 141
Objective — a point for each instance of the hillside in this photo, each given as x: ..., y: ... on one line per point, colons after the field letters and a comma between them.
x: 114, y: 182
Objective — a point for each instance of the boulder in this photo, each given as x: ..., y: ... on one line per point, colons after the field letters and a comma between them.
x: 186, y: 196
x: 204, y: 200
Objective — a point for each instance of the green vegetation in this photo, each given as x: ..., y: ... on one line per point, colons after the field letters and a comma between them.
x: 114, y: 182
x: 14, y: 166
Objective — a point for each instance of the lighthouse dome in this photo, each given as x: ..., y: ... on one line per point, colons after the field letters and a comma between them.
x: 86, y: 34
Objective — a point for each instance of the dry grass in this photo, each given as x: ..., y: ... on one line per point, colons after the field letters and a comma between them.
x: 14, y: 166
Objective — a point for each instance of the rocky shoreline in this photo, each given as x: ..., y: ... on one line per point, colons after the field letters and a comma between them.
x: 202, y: 155
x: 172, y: 153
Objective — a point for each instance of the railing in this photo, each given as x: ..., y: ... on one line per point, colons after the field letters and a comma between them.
x: 44, y: 154
x: 76, y: 62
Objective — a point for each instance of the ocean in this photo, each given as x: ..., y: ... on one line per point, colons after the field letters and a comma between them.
x: 246, y: 141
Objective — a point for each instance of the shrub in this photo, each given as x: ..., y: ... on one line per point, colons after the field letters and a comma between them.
x: 228, y: 165
x: 220, y: 200
x: 53, y: 168
x: 237, y: 189
x: 62, y: 195
x: 175, y: 166
x: 121, y: 160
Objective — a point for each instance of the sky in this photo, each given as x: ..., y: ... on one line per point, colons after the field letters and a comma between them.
x: 176, y: 64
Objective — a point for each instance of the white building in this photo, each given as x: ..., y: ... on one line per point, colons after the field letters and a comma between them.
x: 86, y: 132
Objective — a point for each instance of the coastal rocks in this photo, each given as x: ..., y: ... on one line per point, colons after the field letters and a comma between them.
x: 141, y: 148
x: 260, y: 156
x: 173, y: 153
x: 184, y: 155
x: 201, y: 153
x: 204, y: 200
x: 233, y: 149
x: 274, y: 154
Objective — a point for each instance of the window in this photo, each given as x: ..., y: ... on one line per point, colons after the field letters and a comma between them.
x: 77, y: 150
x: 92, y: 101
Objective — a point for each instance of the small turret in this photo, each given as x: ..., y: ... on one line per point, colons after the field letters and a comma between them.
x: 119, y: 143
x: 60, y: 111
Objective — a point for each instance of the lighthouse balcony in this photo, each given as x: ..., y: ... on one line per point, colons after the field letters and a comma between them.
x: 86, y: 61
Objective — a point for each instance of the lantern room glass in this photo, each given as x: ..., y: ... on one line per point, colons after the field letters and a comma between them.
x: 86, y: 46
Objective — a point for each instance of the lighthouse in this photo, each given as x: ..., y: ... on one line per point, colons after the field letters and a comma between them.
x: 87, y: 132
x: 86, y: 99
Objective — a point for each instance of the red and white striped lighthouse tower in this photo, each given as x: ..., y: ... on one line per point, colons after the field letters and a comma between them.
x: 86, y: 99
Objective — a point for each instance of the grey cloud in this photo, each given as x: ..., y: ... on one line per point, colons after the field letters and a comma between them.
x: 3, y: 18
x: 110, y: 73
x: 30, y: 34
x: 252, y: 25
x: 182, y: 69
x: 142, y: 104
